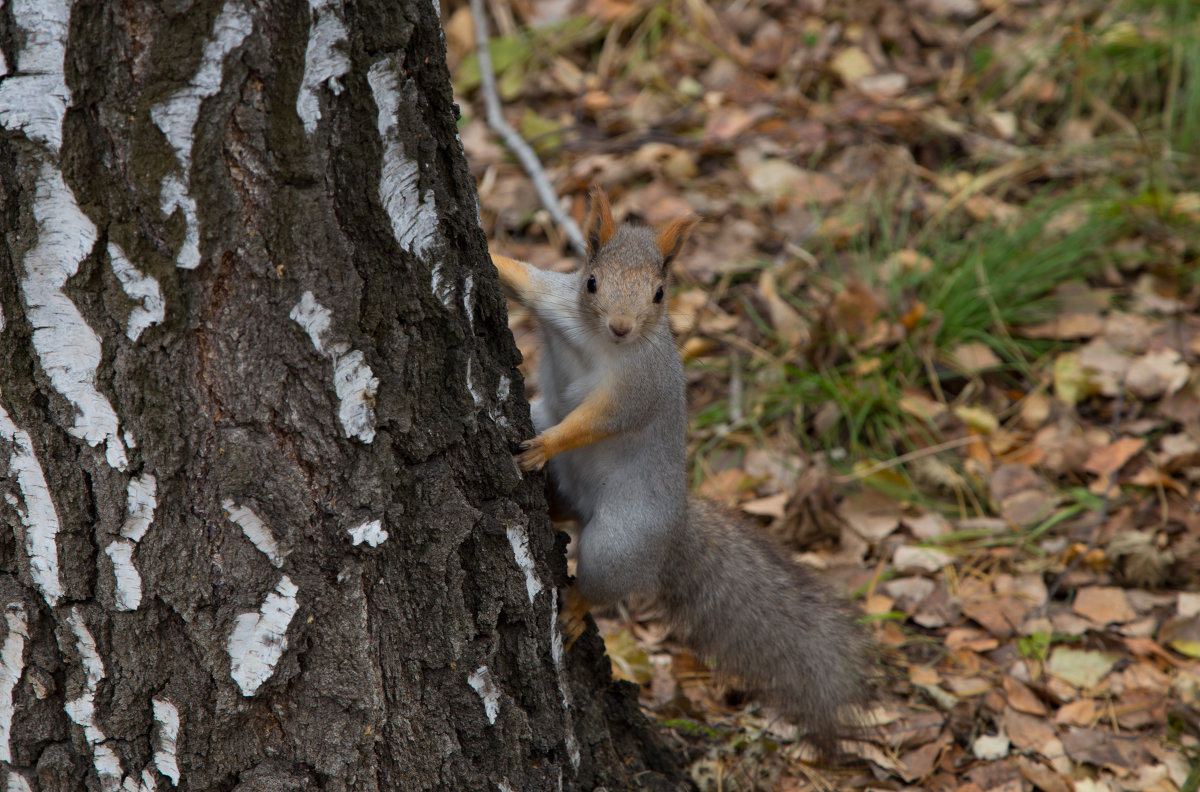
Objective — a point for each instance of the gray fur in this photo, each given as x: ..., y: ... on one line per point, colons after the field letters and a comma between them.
x: 729, y: 592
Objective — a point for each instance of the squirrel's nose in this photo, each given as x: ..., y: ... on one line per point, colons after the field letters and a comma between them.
x: 620, y: 327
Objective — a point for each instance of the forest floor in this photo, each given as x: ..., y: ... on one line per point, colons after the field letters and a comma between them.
x: 942, y: 328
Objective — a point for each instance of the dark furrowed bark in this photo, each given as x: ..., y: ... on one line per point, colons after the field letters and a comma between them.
x: 250, y: 327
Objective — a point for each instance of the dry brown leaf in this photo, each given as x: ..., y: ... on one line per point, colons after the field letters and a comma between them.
x: 1179, y: 451
x: 927, y: 559
x: 1066, y: 327
x: 1022, y: 496
x: 1104, y: 605
x: 1043, y: 777
x: 1022, y: 698
x: 871, y: 515
x: 777, y: 180
x: 1102, y: 748
x: 770, y: 506
x: 851, y: 65
x: 1157, y: 374
x: 1111, y: 458
x: 1082, y: 712
x: 928, y: 525
x: 1031, y: 733
x: 791, y: 327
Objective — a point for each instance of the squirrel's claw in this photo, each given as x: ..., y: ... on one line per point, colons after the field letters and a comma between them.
x: 533, y: 455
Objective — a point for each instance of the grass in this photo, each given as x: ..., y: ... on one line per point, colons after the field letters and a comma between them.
x: 1132, y: 71
x: 975, y: 289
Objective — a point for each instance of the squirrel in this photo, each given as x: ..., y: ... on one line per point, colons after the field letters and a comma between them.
x: 611, y: 424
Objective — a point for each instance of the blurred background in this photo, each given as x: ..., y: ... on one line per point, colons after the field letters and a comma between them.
x: 941, y: 330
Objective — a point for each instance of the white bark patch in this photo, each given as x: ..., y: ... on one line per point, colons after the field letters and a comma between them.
x: 469, y: 302
x: 68, y: 349
x: 168, y: 739
x: 140, y: 502
x: 353, y: 380
x: 83, y: 709
x: 17, y: 782
x: 370, y: 532
x: 325, y: 60
x: 255, y: 530
x: 413, y: 214
x: 128, y: 595
x: 12, y: 665
x: 440, y: 288
x: 502, y: 391
x: 476, y: 393
x: 481, y: 680
x: 138, y: 287
x: 177, y: 117
x: 35, y: 99
x: 519, y: 539
x: 556, y: 653
x: 39, y: 517
x: 259, y: 639
x: 174, y: 196
x: 147, y: 784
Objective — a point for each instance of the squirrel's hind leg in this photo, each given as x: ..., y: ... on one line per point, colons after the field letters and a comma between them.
x: 619, y: 554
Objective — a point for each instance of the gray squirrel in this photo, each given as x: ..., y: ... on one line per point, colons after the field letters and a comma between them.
x: 611, y: 423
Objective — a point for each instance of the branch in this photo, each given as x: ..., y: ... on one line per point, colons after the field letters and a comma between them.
x: 512, y: 138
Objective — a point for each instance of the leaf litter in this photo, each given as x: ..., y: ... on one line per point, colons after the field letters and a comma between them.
x: 941, y: 325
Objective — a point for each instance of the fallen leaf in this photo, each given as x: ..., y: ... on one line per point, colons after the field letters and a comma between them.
x: 1020, y: 697
x: 925, y: 558
x: 1080, y: 668
x: 978, y: 419
x: 990, y: 748
x: 973, y: 357
x: 1031, y: 732
x: 1104, y: 605
x: 1179, y: 451
x: 774, y: 180
x: 871, y: 515
x: 1108, y: 460
x: 1021, y: 495
x: 790, y: 326
x: 1157, y: 374
x: 1082, y: 712
x: 883, y: 86
x: 629, y: 660
x: 1102, y: 748
x: 1071, y: 383
x: 1068, y: 326
x: 770, y: 506
x: 851, y: 65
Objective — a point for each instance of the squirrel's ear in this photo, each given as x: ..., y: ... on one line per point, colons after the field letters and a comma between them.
x: 672, y: 236
x: 599, y: 227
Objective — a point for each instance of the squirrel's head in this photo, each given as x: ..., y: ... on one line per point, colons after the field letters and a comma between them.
x: 623, y: 285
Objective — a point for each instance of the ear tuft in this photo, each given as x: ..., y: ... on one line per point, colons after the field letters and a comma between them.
x: 599, y: 227
x: 672, y: 236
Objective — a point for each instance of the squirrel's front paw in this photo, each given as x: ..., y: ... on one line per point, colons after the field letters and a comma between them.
x: 533, y: 455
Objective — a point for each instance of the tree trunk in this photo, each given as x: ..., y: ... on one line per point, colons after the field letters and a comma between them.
x: 257, y: 405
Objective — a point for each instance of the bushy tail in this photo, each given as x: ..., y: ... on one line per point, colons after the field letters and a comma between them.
x: 739, y: 602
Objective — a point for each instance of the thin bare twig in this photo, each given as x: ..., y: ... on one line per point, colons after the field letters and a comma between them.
x: 529, y: 160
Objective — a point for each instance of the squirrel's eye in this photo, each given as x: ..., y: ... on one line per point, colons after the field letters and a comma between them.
x: 591, y: 284
x: 658, y: 295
